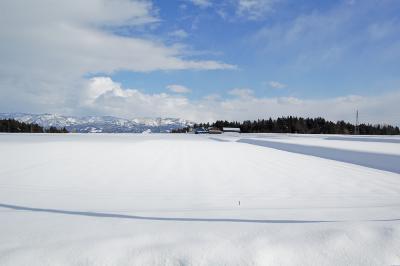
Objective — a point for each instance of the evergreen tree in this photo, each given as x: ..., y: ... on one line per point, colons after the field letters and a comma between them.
x: 301, y: 125
x: 14, y: 126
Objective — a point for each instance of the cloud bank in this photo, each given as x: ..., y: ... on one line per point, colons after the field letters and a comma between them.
x: 102, y: 95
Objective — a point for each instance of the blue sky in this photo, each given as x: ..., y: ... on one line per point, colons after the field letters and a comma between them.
x: 202, y: 59
x: 339, y: 50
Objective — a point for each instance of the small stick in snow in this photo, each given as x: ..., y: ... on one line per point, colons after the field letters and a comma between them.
x: 239, y: 202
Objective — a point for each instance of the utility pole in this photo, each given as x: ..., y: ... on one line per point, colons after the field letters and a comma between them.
x: 357, y: 129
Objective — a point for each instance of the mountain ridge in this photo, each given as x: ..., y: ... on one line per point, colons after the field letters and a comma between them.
x: 100, y: 124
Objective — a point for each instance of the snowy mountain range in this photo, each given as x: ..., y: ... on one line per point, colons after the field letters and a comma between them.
x: 98, y: 124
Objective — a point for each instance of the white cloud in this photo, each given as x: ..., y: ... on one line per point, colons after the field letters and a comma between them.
x: 108, y: 97
x: 201, y: 3
x: 241, y: 92
x: 276, y: 85
x: 254, y: 9
x: 51, y: 32
x: 178, y: 88
x: 103, y: 96
x: 181, y: 34
x: 48, y: 47
x: 212, y: 97
x: 99, y: 86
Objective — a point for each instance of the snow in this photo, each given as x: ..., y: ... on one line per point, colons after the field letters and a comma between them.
x: 375, y: 144
x: 172, y: 199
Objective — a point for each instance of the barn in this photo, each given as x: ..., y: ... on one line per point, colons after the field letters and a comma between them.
x: 231, y: 129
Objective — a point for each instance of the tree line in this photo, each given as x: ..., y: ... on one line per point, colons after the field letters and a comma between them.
x: 15, y: 126
x: 301, y: 125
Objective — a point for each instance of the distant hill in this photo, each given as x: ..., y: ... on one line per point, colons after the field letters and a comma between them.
x: 99, y: 124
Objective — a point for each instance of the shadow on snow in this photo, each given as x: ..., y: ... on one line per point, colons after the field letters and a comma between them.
x: 151, y: 218
x: 386, y: 162
x: 176, y: 219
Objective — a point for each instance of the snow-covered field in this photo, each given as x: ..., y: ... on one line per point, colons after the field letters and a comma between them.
x: 174, y: 200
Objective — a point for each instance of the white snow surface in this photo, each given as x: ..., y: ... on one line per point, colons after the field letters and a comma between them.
x: 173, y: 199
x: 375, y: 144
